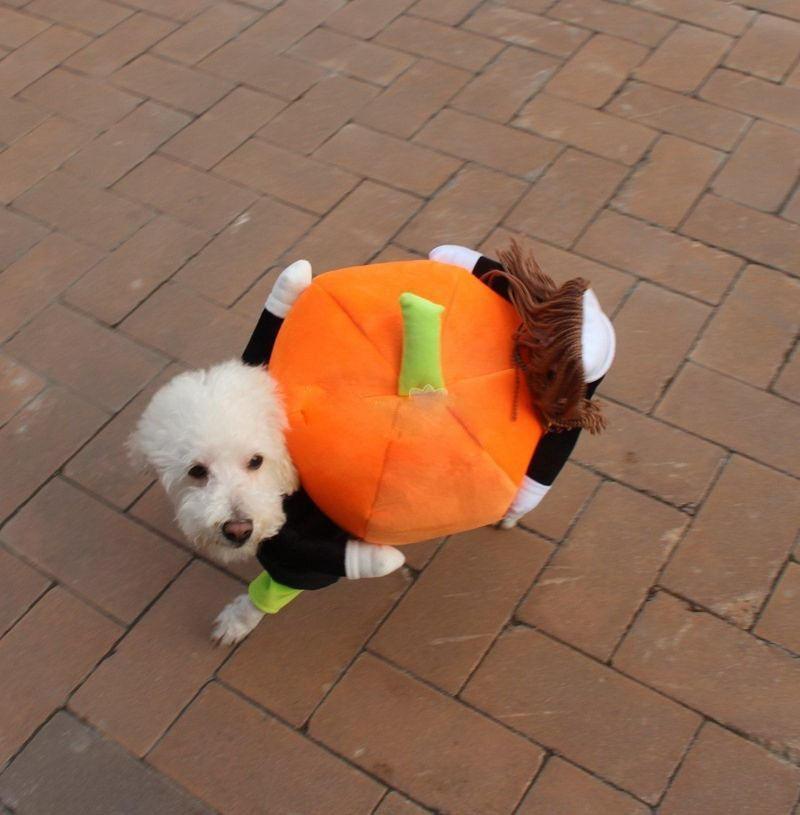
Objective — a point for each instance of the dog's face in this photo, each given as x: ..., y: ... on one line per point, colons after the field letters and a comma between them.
x: 216, y: 440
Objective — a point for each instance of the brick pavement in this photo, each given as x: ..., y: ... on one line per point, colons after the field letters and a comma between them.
x: 632, y: 648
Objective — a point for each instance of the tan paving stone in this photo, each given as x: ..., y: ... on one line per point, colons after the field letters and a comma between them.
x: 18, y: 385
x: 786, y: 8
x: 761, y: 171
x: 126, y: 277
x: 722, y: 409
x: 564, y: 700
x: 764, y: 238
x: 475, y: 139
x: 169, y: 320
x: 18, y: 118
x: 591, y: 589
x: 396, y: 804
x: 20, y: 587
x: 563, y: 789
x: 777, y: 621
x: 425, y: 743
x: 528, y: 30
x: 333, y: 626
x: 133, y: 36
x: 464, y: 211
x: 39, y: 439
x: 738, y: 542
x: 592, y: 76
x: 669, y: 181
x: 298, y: 180
x: 83, y: 210
x: 428, y: 39
x: 754, y: 329
x: 173, y: 84
x: 651, y: 456
x: 366, y: 18
x: 39, y: 276
x: 83, y: 98
x: 688, y: 656
x: 68, y: 769
x: 655, y: 330
x: 684, y: 59
x: 94, y: 16
x: 121, y: 567
x: 451, y: 12
x: 126, y: 144
x: 594, y: 131
x: 248, y: 61
x: 499, y: 91
x: 204, y: 201
x: 232, y: 776
x: 244, y: 250
x: 615, y: 19
x: 754, y: 96
x: 17, y: 236
x: 205, y: 33
x: 349, y: 55
x: 724, y: 773
x: 665, y: 258
x: 223, y: 128
x: 16, y: 28
x: 313, y: 119
x: 413, y: 98
x: 102, y: 366
x: 768, y: 48
x: 289, y: 22
x: 788, y: 383
x: 679, y: 114
x: 156, y: 670
x: 355, y: 229
x: 38, y: 153
x: 716, y: 14
x: 561, y: 203
x: 38, y: 56
x: 447, y: 621
x: 397, y: 163
x: 55, y: 645
x: 174, y: 9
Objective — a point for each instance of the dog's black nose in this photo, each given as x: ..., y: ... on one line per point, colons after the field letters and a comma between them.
x: 237, y: 532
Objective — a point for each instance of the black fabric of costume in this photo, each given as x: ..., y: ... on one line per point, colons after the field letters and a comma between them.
x: 307, y: 537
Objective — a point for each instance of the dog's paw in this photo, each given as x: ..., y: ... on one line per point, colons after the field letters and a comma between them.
x: 236, y: 621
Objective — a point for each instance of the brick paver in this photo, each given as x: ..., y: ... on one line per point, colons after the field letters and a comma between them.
x: 632, y: 647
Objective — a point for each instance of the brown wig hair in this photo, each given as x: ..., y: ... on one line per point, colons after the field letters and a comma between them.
x: 547, y: 344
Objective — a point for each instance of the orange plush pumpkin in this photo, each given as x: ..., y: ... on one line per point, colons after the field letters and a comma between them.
x: 393, y: 467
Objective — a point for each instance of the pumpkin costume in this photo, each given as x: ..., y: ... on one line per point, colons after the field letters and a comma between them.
x: 403, y: 379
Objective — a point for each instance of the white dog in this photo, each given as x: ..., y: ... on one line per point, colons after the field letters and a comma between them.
x: 215, y: 438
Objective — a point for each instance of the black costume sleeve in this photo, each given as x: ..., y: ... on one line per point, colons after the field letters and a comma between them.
x: 554, y: 449
x: 259, y: 348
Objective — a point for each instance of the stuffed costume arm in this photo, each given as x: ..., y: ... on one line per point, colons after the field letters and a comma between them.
x: 598, y: 346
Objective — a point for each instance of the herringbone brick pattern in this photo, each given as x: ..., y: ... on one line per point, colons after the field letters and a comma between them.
x: 633, y: 648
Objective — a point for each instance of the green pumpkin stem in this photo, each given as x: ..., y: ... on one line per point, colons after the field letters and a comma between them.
x: 421, y: 368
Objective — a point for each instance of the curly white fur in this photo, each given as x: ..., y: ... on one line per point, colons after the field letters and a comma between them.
x: 236, y: 621
x: 219, y: 418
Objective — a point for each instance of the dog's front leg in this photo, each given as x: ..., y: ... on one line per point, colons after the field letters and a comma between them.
x: 236, y: 621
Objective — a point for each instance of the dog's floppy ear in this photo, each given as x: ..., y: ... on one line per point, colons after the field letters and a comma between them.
x: 288, y: 480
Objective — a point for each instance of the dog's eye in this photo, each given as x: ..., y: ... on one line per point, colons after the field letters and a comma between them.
x: 255, y: 462
x: 199, y: 471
